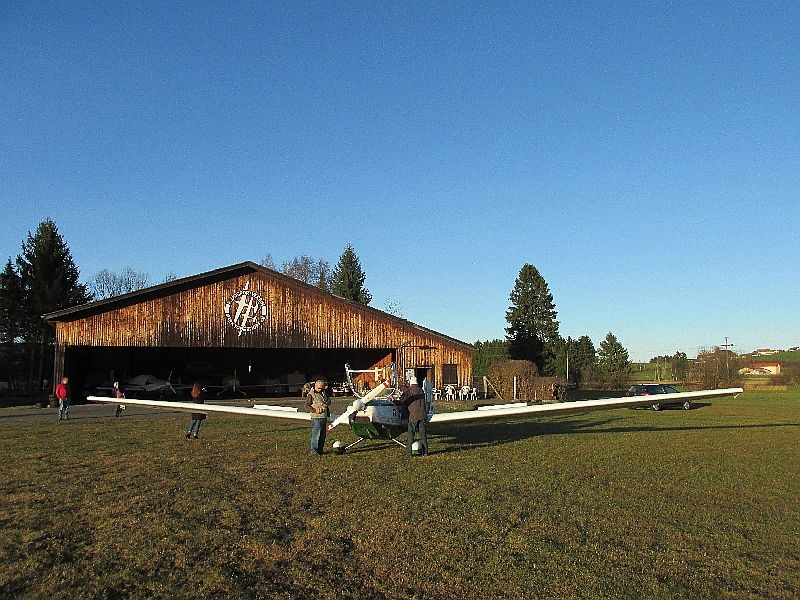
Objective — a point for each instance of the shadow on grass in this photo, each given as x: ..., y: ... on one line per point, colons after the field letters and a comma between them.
x: 469, y: 436
x: 665, y: 407
x: 454, y: 437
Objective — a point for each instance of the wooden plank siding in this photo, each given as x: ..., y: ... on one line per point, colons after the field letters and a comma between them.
x: 190, y: 313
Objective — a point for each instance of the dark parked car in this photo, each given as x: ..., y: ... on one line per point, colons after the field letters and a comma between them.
x: 653, y: 389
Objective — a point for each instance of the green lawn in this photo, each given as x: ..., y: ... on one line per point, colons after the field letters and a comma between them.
x: 614, y: 504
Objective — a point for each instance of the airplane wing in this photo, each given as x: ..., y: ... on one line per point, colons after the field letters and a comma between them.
x: 281, y: 412
x: 522, y: 408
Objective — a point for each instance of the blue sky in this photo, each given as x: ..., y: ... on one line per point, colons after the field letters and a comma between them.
x: 645, y: 157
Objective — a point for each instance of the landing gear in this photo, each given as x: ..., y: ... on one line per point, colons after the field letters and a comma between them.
x: 368, y: 431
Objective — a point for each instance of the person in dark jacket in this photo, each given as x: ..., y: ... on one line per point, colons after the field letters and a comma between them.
x: 413, y: 399
x: 197, y: 418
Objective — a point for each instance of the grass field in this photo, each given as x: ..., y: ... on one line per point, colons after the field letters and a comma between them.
x: 614, y: 504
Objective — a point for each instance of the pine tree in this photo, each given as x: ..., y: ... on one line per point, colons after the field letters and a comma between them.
x: 614, y: 362
x: 348, y: 278
x: 49, y: 281
x: 680, y: 366
x: 11, y: 319
x: 485, y: 354
x: 584, y: 360
x: 533, y: 329
x: 10, y: 305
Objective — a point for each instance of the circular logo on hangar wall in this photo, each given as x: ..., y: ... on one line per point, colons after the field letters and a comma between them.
x: 246, y: 310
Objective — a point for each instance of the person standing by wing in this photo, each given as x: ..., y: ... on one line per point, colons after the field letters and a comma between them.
x: 197, y: 418
x: 427, y: 387
x: 318, y: 402
x: 413, y: 398
x: 118, y: 393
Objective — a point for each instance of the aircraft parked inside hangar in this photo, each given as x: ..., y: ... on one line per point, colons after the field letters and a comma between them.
x: 377, y: 414
x: 148, y: 385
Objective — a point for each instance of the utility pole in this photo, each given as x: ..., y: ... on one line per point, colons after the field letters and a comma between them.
x: 726, y: 345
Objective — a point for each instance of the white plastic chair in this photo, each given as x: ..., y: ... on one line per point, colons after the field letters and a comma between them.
x: 450, y: 392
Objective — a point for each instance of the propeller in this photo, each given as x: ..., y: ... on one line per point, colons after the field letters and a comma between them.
x: 356, y: 406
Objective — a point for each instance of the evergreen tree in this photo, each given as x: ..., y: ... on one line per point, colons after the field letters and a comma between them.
x: 49, y: 281
x: 11, y: 318
x: 485, y: 354
x: 533, y: 329
x: 582, y: 358
x: 585, y: 360
x: 348, y: 278
x: 680, y: 366
x: 10, y: 305
x: 614, y: 362
x: 557, y: 358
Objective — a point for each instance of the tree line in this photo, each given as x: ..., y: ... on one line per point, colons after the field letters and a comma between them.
x: 43, y: 278
x: 533, y: 335
x: 346, y: 280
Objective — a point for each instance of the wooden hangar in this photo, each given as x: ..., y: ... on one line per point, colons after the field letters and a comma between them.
x: 265, y: 331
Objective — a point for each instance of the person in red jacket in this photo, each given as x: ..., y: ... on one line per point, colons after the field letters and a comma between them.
x: 62, y: 393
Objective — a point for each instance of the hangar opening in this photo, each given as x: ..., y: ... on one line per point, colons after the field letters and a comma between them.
x: 234, y: 372
x: 246, y: 324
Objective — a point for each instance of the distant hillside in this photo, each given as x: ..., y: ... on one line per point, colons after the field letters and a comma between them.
x: 779, y: 357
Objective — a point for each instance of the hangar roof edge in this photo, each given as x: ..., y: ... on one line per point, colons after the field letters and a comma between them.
x: 100, y: 306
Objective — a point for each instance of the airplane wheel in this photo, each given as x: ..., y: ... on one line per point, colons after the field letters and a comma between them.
x: 656, y: 407
x: 687, y: 405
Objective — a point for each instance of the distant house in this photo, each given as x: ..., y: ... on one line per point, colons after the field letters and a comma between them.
x: 761, y: 368
x: 765, y: 352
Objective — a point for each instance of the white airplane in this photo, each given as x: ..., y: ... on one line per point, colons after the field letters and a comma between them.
x: 378, y: 415
x: 230, y: 383
x: 149, y: 385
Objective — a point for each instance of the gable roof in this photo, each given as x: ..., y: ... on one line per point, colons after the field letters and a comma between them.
x: 224, y: 273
